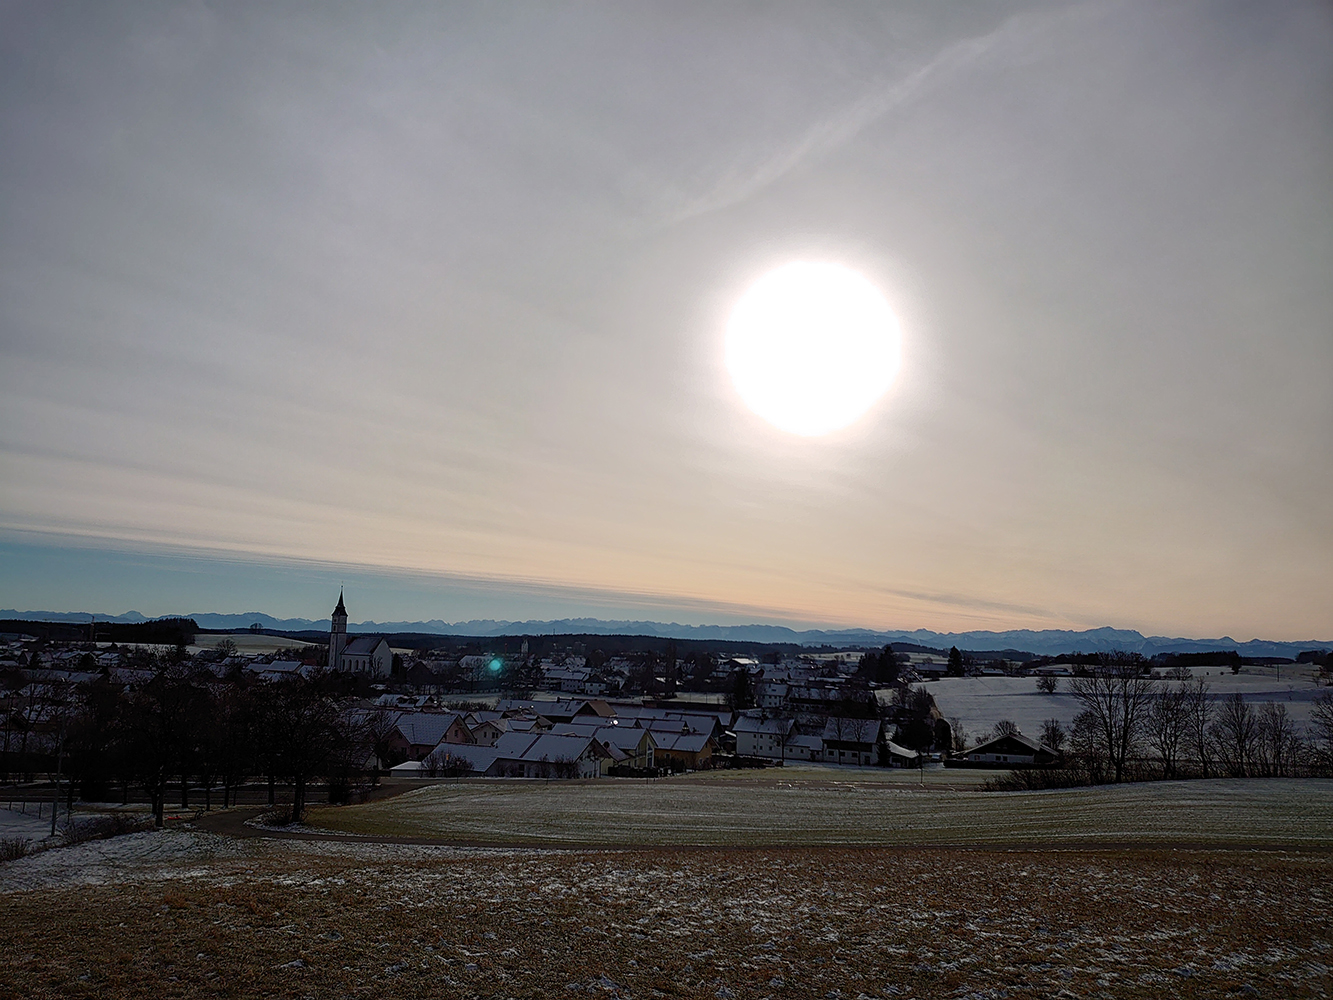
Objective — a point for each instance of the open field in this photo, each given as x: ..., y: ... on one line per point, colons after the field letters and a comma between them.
x: 185, y: 914
x: 823, y: 806
x: 247, y: 642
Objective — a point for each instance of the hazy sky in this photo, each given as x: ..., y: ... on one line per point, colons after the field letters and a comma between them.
x: 435, y: 293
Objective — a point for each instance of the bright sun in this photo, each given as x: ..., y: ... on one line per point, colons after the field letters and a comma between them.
x: 811, y: 347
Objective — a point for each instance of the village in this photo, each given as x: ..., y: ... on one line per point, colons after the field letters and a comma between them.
x: 183, y: 713
x: 72, y: 701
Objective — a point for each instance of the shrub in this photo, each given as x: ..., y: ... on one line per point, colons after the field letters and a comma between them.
x: 1035, y: 779
x: 13, y: 848
x: 340, y: 791
x: 278, y: 815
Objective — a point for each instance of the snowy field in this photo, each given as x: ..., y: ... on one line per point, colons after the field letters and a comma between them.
x: 29, y: 826
x: 181, y: 914
x: 853, y: 807
x: 247, y: 642
x: 980, y: 702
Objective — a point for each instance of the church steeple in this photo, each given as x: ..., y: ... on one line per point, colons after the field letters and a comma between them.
x: 338, y: 634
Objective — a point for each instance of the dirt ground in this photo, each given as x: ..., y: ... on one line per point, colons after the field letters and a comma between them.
x: 183, y: 913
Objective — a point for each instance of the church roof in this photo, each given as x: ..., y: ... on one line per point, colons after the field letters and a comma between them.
x: 340, y: 610
x: 363, y: 644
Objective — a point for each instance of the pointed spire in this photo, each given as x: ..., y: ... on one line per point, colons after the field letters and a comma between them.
x: 340, y: 610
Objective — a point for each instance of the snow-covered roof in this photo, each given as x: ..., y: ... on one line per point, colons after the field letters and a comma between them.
x: 760, y: 724
x: 898, y: 751
x: 993, y: 746
x: 363, y: 645
x: 806, y: 743
x: 424, y: 728
x: 851, y: 730
x: 682, y: 742
x: 541, y: 746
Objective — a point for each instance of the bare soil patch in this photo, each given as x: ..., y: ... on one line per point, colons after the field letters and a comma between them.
x: 185, y: 914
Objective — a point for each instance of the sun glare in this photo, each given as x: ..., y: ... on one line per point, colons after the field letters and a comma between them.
x: 811, y: 347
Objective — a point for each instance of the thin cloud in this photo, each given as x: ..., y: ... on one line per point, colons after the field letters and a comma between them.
x: 840, y: 128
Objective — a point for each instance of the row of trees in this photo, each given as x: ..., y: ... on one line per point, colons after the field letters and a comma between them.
x: 195, y: 732
x: 1131, y: 726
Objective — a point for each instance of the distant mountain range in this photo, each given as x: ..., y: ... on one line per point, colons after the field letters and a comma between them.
x: 1045, y: 642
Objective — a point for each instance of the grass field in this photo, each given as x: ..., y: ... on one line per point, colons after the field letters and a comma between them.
x: 823, y: 806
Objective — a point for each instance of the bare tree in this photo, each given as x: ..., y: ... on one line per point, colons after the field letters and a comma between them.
x: 1321, y: 731
x: 1276, y: 744
x: 1199, y: 716
x: 1234, y: 734
x: 1005, y: 727
x: 379, y: 728
x: 1116, y: 696
x: 158, y: 726
x: 1088, y: 746
x: 1168, y: 725
x: 1048, y: 683
x: 310, y: 732
x: 1053, y: 735
x: 960, y: 734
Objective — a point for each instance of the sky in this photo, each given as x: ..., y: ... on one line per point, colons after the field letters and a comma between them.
x: 431, y: 298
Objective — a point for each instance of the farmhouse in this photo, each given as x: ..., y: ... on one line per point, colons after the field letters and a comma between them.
x: 1012, y: 751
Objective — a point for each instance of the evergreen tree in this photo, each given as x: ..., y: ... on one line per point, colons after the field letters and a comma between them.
x: 955, y: 662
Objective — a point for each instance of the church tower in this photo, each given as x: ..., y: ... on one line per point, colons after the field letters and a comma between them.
x: 338, y: 635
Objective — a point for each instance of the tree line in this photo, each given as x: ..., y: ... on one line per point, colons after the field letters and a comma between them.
x: 1133, y: 727
x: 192, y: 732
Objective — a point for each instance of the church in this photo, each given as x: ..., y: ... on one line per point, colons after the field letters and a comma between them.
x: 365, y: 654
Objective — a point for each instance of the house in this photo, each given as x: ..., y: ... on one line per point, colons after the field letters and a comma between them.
x: 480, y: 760
x: 277, y: 670
x: 684, y: 749
x: 762, y: 736
x: 638, y: 746
x: 416, y: 734
x: 805, y: 748
x: 770, y: 694
x: 559, y: 711
x: 901, y: 756
x: 486, y: 733
x: 851, y: 741
x: 1012, y: 751
x: 549, y: 755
